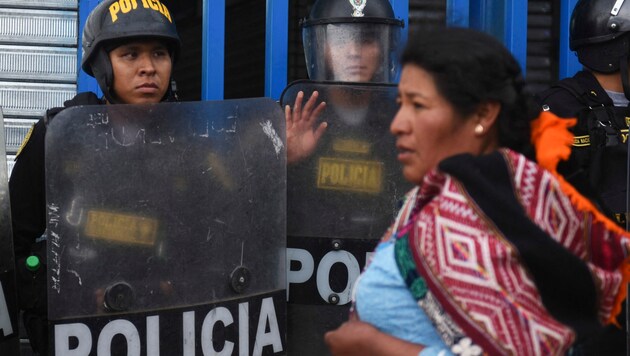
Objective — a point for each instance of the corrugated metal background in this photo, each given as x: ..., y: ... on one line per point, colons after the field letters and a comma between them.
x: 40, y: 4
x: 38, y: 50
x: 38, y: 62
x: 542, y: 43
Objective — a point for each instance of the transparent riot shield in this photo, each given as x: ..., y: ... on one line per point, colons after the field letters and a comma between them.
x: 166, y: 229
x: 340, y: 201
x: 9, y: 339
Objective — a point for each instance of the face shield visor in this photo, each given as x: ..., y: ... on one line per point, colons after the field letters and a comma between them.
x: 352, y: 52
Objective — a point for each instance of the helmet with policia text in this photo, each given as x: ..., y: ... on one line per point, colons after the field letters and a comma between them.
x: 351, y: 41
x: 112, y: 23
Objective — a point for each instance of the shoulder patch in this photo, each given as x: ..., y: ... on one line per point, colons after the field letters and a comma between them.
x: 25, y: 141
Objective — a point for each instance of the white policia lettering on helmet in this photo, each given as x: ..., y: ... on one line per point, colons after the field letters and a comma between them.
x: 358, y: 6
x: 126, y: 6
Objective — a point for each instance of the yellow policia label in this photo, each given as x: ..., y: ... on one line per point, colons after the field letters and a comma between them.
x: 350, y: 175
x: 123, y: 228
x: 581, y: 141
x: 125, y: 6
x: 351, y: 146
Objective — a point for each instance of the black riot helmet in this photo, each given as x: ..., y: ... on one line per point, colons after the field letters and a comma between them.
x: 114, y: 22
x: 599, y: 34
x: 335, y: 29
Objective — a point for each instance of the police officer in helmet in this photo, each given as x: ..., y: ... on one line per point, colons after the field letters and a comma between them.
x: 598, y: 96
x: 342, y: 175
x: 130, y: 52
x: 107, y: 29
x: 351, y: 41
x: 344, y: 41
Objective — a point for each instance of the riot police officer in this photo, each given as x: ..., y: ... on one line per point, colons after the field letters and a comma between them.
x: 598, y: 96
x: 343, y: 181
x: 355, y: 40
x: 130, y: 51
x: 344, y: 41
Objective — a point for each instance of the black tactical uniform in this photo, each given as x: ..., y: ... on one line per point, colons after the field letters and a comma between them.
x: 28, y: 215
x: 597, y: 166
x: 341, y: 199
x: 352, y: 182
x: 101, y: 34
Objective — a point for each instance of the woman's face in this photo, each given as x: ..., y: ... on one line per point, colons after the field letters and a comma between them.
x: 142, y: 71
x: 427, y: 128
x: 354, y: 61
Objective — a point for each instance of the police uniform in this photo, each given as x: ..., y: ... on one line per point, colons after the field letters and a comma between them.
x: 344, y: 196
x: 340, y: 201
x: 599, y: 33
x: 109, y: 23
x: 28, y: 214
x: 352, y: 182
x: 597, y: 166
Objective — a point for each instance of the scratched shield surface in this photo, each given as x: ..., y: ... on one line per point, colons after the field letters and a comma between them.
x: 164, y: 206
x: 350, y: 185
x: 9, y: 341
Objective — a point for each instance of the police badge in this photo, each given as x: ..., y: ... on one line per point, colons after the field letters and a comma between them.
x: 358, y: 6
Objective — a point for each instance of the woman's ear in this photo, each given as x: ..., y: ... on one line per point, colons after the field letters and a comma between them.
x: 486, y: 115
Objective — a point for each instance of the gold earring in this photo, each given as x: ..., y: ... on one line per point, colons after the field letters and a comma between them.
x: 479, y: 129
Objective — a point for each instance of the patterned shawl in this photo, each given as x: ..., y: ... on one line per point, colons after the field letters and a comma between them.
x: 504, y: 259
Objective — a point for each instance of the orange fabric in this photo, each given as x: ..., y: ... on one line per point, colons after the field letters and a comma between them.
x: 622, y: 293
x: 552, y: 140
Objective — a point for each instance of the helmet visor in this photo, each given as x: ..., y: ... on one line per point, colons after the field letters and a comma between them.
x: 351, y: 52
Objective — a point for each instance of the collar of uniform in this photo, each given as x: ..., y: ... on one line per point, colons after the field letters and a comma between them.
x: 594, y: 90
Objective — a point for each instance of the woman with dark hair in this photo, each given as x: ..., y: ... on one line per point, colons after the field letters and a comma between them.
x: 491, y: 253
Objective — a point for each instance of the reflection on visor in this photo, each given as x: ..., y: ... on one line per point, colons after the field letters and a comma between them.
x: 372, y: 48
x: 336, y: 35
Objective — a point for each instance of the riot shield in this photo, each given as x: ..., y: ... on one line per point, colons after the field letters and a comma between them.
x: 166, y: 229
x: 9, y: 339
x: 340, y: 201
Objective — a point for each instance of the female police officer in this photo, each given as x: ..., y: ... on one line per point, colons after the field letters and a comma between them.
x: 344, y: 41
x: 130, y: 48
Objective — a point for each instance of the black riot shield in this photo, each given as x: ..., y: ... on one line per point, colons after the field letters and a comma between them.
x: 166, y: 229
x: 340, y: 201
x: 9, y: 339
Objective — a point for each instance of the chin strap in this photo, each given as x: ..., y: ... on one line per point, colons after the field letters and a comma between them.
x: 103, y: 73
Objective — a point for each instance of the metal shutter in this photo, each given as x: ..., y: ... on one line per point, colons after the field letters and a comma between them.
x: 38, y: 62
x: 542, y: 39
